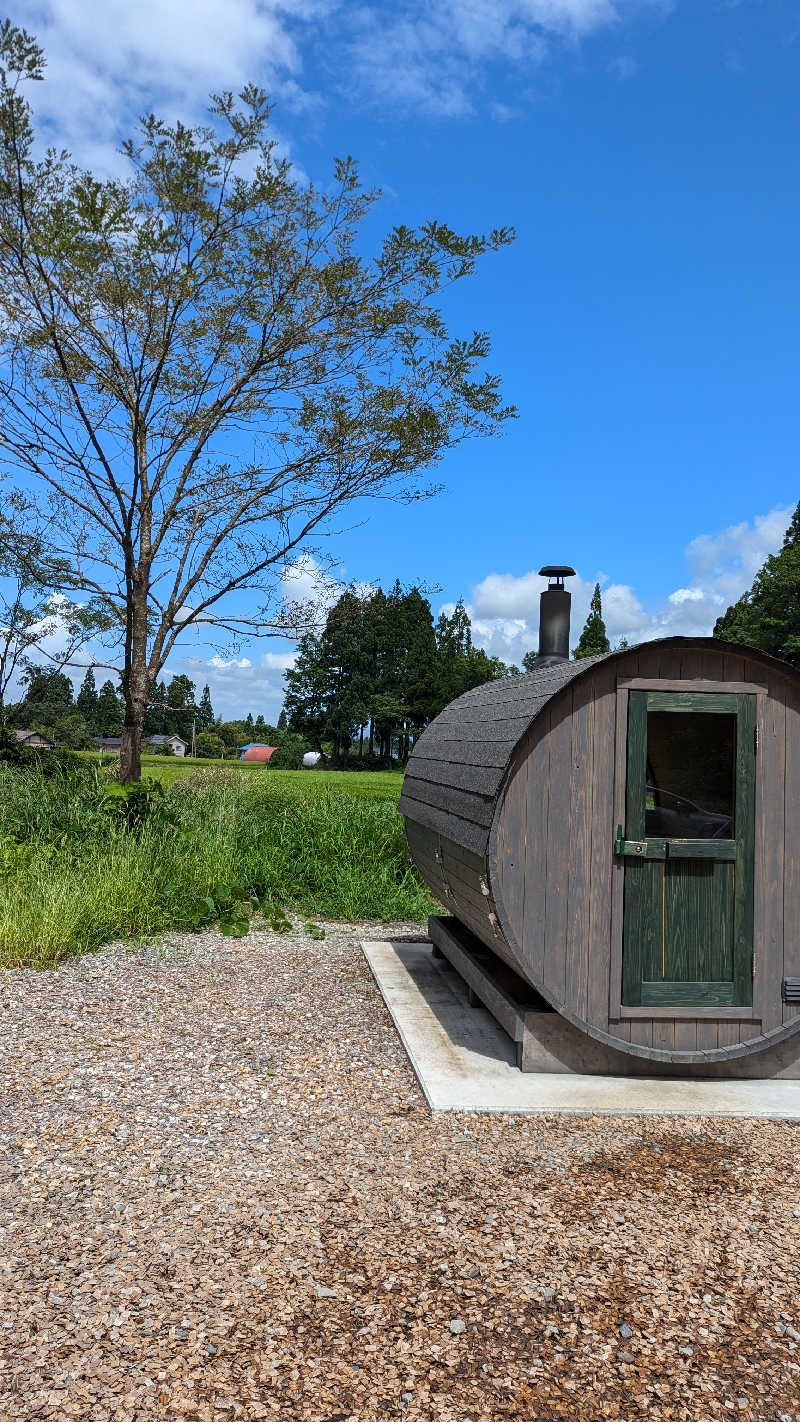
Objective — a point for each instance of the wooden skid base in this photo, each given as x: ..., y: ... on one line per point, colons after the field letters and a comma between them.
x: 545, y: 1042
x: 490, y: 983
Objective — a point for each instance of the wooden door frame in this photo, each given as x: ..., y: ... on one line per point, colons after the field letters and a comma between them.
x: 616, y: 1010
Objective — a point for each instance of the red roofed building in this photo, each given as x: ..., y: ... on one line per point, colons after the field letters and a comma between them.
x: 253, y: 751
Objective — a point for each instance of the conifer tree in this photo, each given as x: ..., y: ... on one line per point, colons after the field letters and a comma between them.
x: 593, y: 639
x: 380, y: 663
x: 768, y: 615
x: 307, y: 685
x: 205, y: 711
x: 283, y: 720
x: 110, y: 713
x: 181, y: 707
x: 87, y: 699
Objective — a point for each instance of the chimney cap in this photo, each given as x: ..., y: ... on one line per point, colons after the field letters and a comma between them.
x: 556, y: 570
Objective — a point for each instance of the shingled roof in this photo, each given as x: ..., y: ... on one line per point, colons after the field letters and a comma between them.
x: 457, y: 766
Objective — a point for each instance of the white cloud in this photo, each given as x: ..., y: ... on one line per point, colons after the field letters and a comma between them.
x: 505, y: 608
x: 108, y: 63
x: 430, y: 53
x: 239, y: 684
x: 732, y: 558
x: 235, y: 664
x: 306, y: 584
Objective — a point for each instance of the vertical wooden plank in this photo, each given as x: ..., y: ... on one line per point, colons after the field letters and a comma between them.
x: 618, y: 864
x: 671, y: 660
x: 699, y: 921
x: 685, y: 1036
x: 580, y: 847
x: 718, y: 965
x: 641, y: 1031
x: 558, y: 857
x: 680, y: 926
x: 753, y: 671
x: 623, y: 1030
x: 512, y: 849
x: 770, y: 765
x: 650, y: 661
x: 641, y: 932
x: 537, y: 793
x: 732, y: 668
x: 694, y: 664
x: 598, y: 966
x: 664, y: 1034
x: 637, y: 765
x: 707, y: 1036
x: 727, y: 1034
x: 791, y: 864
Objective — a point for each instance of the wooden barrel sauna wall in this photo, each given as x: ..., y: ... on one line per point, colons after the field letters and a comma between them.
x: 624, y: 833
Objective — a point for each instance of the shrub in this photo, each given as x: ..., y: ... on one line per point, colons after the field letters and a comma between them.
x: 289, y: 751
x: 209, y: 746
x: 37, y: 759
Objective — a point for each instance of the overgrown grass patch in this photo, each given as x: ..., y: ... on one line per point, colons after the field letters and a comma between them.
x: 321, y: 845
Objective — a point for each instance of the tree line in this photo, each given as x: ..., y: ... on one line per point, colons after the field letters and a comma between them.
x: 49, y: 705
x: 370, y: 682
x: 379, y: 671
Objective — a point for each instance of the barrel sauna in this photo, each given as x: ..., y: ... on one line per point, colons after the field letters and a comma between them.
x: 621, y: 834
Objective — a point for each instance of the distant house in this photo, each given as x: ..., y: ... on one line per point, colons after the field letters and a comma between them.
x: 113, y: 743
x: 254, y: 751
x: 108, y: 743
x: 34, y: 739
x: 178, y: 746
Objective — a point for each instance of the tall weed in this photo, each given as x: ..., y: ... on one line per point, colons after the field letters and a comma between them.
x: 217, y: 845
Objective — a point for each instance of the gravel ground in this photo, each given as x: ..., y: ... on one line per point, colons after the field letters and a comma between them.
x: 223, y: 1196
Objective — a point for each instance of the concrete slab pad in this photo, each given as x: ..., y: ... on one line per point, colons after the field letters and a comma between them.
x: 465, y: 1062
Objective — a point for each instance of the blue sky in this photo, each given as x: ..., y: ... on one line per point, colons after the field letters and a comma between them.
x: 645, y: 322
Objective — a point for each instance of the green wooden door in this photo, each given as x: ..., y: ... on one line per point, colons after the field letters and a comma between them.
x: 688, y: 850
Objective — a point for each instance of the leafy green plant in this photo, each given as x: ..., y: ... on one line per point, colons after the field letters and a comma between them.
x: 235, y: 908
x: 136, y: 804
x: 278, y: 922
x: 13, y: 855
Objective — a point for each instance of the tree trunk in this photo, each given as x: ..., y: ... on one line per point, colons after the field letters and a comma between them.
x: 135, y: 684
x: 361, y: 743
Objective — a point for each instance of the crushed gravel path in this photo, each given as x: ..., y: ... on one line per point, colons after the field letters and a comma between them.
x: 222, y: 1196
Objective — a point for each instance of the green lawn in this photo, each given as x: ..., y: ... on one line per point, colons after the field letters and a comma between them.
x: 232, y: 842
x: 169, y: 768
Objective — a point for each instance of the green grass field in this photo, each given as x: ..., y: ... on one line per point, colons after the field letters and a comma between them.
x: 169, y: 768
x: 225, y: 842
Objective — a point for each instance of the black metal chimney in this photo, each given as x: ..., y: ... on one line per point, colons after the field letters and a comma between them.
x: 554, y: 611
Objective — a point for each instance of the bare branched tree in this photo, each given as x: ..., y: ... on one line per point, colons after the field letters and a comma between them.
x: 199, y: 370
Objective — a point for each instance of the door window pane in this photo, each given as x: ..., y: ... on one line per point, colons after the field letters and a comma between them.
x: 691, y: 775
